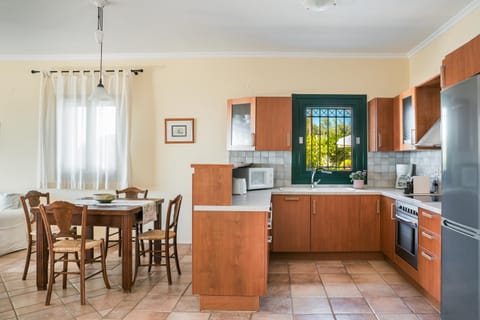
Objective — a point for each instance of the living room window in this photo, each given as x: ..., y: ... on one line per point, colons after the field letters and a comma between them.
x: 329, y: 133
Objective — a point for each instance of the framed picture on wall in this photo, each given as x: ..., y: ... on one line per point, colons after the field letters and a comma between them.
x: 179, y: 130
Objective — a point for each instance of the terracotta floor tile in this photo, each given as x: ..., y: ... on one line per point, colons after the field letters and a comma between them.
x: 159, y: 303
x: 342, y: 291
x: 270, y: 316
x: 370, y: 316
x: 230, y: 316
x: 381, y: 266
x: 409, y: 316
x: 275, y: 304
x: 304, y: 277
x: 428, y: 316
x: 188, y: 303
x: 387, y: 305
x: 278, y: 268
x: 307, y: 289
x: 276, y: 278
x: 302, y: 267
x: 368, y: 278
x: 405, y: 290
x: 360, y: 268
x: 278, y: 289
x: 310, y: 305
x: 314, y: 317
x: 325, y: 269
x: 329, y: 279
x: 393, y: 278
x: 376, y: 290
x: 146, y: 315
x: 419, y: 305
x: 188, y: 316
x: 349, y: 305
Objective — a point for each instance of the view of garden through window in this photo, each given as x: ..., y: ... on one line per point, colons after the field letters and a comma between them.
x: 328, y: 138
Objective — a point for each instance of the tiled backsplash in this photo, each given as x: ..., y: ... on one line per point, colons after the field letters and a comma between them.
x: 381, y: 165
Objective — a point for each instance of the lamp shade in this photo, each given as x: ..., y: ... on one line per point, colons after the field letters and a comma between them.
x: 100, y: 94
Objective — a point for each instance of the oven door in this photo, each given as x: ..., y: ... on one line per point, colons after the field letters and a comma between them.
x: 406, y: 239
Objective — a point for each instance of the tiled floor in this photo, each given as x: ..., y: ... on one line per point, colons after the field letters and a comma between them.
x: 297, y: 290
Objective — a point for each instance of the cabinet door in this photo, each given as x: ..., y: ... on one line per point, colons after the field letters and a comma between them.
x: 241, y: 124
x: 387, y: 228
x: 462, y: 63
x: 291, y: 223
x: 335, y: 223
x: 407, y: 123
x: 229, y: 253
x: 380, y: 122
x: 273, y: 124
x: 369, y: 227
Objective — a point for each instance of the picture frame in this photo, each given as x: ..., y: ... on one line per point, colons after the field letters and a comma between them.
x: 179, y: 130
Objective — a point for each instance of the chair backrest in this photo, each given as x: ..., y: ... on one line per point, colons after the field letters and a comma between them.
x: 61, y: 214
x: 32, y: 200
x: 173, y: 212
x: 132, y: 193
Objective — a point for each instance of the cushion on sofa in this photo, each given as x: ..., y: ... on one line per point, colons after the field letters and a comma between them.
x: 9, y: 201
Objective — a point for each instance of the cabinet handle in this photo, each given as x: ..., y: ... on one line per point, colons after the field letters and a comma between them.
x: 379, y: 140
x: 428, y: 235
x: 427, y: 215
x: 392, y: 211
x: 427, y: 256
x: 269, y: 239
x: 253, y: 138
x: 289, y: 139
x: 378, y: 206
x: 291, y: 198
x: 314, y: 206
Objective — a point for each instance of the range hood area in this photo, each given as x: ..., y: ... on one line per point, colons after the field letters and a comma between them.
x: 432, y: 137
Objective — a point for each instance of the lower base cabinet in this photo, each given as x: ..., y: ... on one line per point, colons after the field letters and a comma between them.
x: 326, y: 223
x: 229, y: 259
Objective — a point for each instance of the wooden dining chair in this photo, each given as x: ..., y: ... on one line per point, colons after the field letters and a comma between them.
x: 31, y: 200
x: 167, y: 238
x: 65, y: 242
x: 127, y: 193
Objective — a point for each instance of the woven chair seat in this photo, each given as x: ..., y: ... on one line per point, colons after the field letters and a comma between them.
x: 155, y: 235
x: 69, y: 245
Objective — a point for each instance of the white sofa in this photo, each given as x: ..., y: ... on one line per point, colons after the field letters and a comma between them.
x: 13, y: 230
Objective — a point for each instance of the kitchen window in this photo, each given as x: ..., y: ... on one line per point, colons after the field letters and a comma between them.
x: 329, y: 132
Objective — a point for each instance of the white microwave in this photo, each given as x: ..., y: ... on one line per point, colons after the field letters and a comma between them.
x: 256, y: 178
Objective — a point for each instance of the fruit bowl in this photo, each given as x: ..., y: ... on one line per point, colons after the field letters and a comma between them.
x: 104, y: 197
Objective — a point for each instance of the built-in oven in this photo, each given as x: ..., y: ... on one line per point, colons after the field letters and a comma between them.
x: 406, y: 232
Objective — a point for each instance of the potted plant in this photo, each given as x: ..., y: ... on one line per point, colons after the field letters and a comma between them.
x: 358, y: 178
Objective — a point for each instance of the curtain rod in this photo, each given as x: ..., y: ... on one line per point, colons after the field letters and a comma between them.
x: 134, y: 71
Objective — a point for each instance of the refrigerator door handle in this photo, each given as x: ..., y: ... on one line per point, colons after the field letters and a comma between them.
x: 460, y: 229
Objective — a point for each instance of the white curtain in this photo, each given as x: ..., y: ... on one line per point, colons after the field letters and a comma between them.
x: 84, y: 143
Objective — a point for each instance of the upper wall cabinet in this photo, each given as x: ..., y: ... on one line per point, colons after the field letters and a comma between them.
x: 462, y: 63
x: 260, y: 123
x: 415, y: 112
x: 380, y: 121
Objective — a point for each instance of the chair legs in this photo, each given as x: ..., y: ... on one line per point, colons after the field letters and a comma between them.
x: 27, y: 258
x: 138, y: 230
x: 80, y: 261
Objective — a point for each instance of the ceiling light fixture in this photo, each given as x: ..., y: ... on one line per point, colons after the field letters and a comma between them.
x: 99, y: 93
x: 319, y: 5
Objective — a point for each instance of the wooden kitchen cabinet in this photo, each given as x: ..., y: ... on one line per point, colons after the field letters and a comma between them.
x: 291, y: 223
x: 345, y: 223
x: 461, y: 63
x: 212, y: 184
x: 230, y: 259
x: 259, y: 123
x: 415, y: 112
x: 429, y: 253
x: 387, y: 228
x: 380, y: 124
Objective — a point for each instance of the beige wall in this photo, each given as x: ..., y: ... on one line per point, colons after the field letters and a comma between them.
x: 426, y: 63
x: 196, y: 88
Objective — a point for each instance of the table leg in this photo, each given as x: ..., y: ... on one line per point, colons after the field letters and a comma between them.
x: 42, y: 254
x: 127, y: 279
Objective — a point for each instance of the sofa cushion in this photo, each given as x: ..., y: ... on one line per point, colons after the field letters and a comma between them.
x: 9, y: 201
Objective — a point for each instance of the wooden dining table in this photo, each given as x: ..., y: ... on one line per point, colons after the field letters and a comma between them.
x: 120, y: 216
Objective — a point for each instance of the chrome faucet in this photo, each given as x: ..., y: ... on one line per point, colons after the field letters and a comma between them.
x: 312, y: 178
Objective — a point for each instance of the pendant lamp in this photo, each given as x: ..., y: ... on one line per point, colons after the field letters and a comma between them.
x: 318, y: 5
x: 100, y: 94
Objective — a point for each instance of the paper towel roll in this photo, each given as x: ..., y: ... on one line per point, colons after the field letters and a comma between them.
x: 421, y: 184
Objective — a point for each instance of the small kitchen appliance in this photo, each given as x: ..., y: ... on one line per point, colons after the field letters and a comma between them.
x: 404, y: 173
x: 239, y: 186
x: 255, y: 177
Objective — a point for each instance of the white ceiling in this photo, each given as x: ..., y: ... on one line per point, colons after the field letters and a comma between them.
x: 150, y: 28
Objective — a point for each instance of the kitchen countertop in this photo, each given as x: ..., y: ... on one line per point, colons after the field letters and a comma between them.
x: 259, y: 200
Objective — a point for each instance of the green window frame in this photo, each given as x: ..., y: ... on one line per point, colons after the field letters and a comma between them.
x: 303, y: 104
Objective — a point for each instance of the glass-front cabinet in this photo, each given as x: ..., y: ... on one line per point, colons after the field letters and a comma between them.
x: 241, y: 124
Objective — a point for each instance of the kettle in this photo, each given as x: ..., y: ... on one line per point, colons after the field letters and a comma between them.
x: 239, y: 186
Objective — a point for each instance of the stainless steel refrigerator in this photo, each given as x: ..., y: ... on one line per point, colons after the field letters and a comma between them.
x: 460, y: 106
